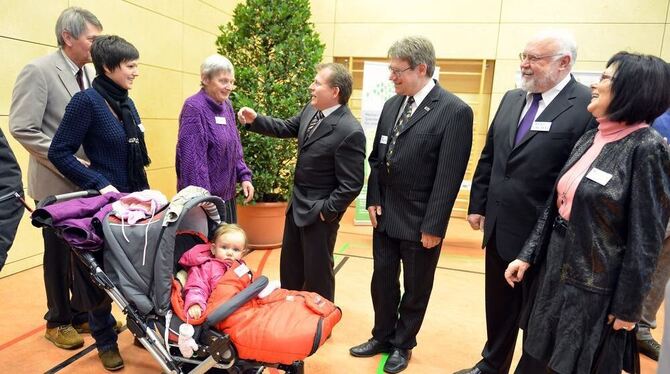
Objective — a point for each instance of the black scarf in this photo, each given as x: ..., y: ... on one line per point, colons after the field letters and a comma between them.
x: 117, y: 98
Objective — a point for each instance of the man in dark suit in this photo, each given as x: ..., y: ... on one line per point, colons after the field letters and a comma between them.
x: 418, y: 160
x: 528, y: 143
x: 328, y: 176
x: 11, y: 208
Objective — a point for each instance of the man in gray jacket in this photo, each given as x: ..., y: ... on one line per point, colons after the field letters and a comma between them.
x: 42, y: 91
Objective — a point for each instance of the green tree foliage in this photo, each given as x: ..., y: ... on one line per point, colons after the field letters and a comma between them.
x: 275, y: 50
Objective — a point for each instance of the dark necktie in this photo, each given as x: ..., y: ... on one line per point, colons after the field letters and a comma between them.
x: 80, y: 79
x: 528, y: 119
x: 312, y: 124
x: 397, y: 128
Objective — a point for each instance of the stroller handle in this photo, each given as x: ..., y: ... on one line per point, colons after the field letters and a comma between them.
x: 66, y: 196
x: 235, y: 302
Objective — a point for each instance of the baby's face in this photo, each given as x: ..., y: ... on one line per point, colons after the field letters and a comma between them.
x: 229, y: 246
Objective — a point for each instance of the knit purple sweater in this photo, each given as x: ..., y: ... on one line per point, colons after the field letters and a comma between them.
x: 209, y: 152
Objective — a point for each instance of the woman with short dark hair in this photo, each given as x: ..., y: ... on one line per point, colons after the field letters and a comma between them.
x: 103, y: 120
x: 597, y: 241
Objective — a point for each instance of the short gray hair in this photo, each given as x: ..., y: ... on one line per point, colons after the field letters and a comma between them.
x: 215, y: 64
x: 416, y: 50
x: 564, y: 40
x: 74, y: 20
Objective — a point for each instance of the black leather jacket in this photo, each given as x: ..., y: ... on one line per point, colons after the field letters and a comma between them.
x: 615, y: 231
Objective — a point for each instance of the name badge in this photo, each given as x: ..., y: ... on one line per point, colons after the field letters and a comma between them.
x: 220, y: 120
x: 541, y: 126
x: 599, y: 176
x: 384, y: 139
x: 241, y: 270
x: 141, y: 127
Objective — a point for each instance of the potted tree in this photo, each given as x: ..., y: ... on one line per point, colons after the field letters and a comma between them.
x: 275, y: 49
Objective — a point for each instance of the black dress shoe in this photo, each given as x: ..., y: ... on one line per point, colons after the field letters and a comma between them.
x: 370, y: 348
x: 649, y: 348
x: 398, y: 360
x: 474, y: 370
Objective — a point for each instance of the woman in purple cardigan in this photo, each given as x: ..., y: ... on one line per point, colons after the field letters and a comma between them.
x: 209, y: 152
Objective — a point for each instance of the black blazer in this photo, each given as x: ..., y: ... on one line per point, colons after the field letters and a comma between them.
x: 512, y: 183
x: 615, y: 231
x: 329, y: 171
x: 11, y: 209
x: 418, y: 193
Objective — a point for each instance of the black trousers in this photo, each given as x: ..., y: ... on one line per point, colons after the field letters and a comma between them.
x: 399, y: 318
x: 504, y: 306
x: 306, y: 260
x: 58, y: 282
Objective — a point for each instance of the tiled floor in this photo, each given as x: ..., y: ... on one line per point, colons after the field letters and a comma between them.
x: 452, y: 336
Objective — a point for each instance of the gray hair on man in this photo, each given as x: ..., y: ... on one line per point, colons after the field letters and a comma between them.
x: 416, y: 50
x: 215, y: 64
x: 564, y: 40
x: 74, y: 20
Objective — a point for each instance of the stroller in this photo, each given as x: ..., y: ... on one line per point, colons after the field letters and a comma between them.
x: 140, y: 282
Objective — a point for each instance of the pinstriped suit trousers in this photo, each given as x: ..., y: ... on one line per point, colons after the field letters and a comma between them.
x: 398, y: 318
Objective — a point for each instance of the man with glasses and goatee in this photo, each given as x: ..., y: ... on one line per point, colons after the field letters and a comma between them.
x: 528, y: 143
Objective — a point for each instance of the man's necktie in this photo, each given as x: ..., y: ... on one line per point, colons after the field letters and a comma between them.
x: 397, y: 128
x: 80, y: 79
x: 528, y: 119
x: 312, y: 124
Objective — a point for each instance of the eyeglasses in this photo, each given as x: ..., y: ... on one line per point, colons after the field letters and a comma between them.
x: 398, y: 72
x: 229, y: 84
x: 535, y: 58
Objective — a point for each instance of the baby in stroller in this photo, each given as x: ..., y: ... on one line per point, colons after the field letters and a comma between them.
x: 278, y: 326
x: 206, y: 264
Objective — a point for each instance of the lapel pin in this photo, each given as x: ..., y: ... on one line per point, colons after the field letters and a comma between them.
x: 427, y: 109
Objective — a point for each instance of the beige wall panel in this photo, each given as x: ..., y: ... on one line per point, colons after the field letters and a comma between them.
x: 323, y: 11
x: 140, y: 27
x: 464, y: 40
x: 371, y: 11
x: 27, y: 249
x: 20, y: 152
x: 665, y: 52
x: 597, y: 42
x: 190, y: 85
x: 157, y: 93
x: 327, y: 36
x: 163, y: 180
x: 15, y: 55
x: 496, y: 98
x: 197, y: 45
x: 204, y: 16
x: 505, y: 73
x: 226, y: 6
x: 161, y: 138
x: 173, y: 8
x: 578, y: 11
x: 32, y: 20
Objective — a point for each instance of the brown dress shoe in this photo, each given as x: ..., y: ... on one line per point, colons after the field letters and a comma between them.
x: 111, y: 359
x: 65, y: 337
x: 85, y: 328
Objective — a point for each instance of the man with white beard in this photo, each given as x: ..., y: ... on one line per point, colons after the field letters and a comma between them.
x: 527, y: 145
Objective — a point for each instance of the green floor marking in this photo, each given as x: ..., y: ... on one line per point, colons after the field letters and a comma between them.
x: 382, y: 362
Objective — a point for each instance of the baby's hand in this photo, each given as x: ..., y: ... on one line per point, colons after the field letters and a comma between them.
x: 195, y: 311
